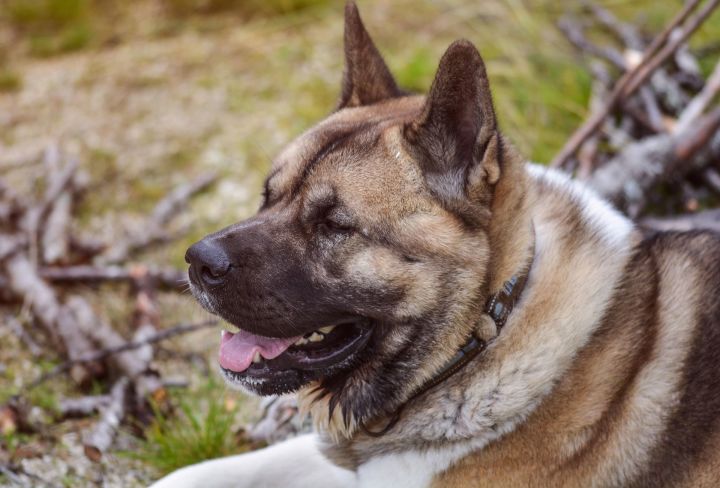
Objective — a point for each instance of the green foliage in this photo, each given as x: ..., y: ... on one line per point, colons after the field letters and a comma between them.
x: 201, y: 429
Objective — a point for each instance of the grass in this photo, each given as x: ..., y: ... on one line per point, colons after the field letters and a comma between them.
x: 201, y: 429
x: 246, y: 7
x: 10, y: 81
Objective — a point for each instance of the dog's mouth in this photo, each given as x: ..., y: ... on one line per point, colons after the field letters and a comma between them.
x: 268, y: 365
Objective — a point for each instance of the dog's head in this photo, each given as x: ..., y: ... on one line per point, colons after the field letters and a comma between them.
x: 365, y: 267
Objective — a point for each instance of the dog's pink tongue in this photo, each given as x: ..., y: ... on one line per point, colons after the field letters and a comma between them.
x: 237, y: 350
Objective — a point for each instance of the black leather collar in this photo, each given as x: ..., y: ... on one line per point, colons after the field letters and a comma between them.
x: 498, y: 307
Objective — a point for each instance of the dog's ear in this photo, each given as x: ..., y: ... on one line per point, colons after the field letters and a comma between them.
x: 366, y: 79
x: 456, y: 133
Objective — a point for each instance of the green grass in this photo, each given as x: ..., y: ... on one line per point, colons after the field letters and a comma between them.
x: 36, y: 15
x: 201, y: 429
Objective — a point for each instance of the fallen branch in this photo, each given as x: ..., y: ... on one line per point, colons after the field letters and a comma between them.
x: 83, y: 406
x: 646, y: 69
x: 22, y: 334
x: 709, y: 219
x: 698, y: 105
x: 97, y: 441
x: 164, y: 278
x: 154, y: 230
x: 163, y: 335
x: 627, y: 178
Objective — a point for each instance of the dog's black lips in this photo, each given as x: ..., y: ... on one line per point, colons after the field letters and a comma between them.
x: 297, y: 366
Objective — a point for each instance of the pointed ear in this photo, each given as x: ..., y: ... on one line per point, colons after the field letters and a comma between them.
x: 456, y: 133
x: 366, y: 79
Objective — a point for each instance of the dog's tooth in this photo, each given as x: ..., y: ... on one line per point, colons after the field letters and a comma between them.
x: 301, y: 342
x: 326, y: 330
x: 257, y: 358
x: 233, y: 329
x: 315, y: 337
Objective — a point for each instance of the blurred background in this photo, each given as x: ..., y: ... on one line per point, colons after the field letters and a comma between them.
x: 123, y: 104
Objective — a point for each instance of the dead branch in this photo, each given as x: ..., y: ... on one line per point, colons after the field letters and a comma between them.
x: 55, y: 237
x: 154, y: 230
x: 645, y: 70
x: 574, y: 33
x: 627, y: 178
x: 83, y: 406
x: 37, y: 231
x: 280, y: 419
x: 53, y: 317
x: 21, y: 333
x: 709, y: 219
x: 651, y: 117
x: 101, y: 333
x: 23, y: 281
x: 102, y: 354
x: 58, y: 181
x: 163, y: 278
x: 712, y: 179
x: 661, y: 82
x: 97, y: 441
x: 698, y: 104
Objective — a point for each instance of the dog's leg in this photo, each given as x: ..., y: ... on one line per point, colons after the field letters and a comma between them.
x: 293, y: 463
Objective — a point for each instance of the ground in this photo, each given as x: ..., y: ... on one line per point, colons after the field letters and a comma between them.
x: 149, y: 94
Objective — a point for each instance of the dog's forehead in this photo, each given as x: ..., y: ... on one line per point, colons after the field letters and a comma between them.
x: 348, y: 130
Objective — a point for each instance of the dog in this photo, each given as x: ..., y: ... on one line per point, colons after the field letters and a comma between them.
x: 453, y: 316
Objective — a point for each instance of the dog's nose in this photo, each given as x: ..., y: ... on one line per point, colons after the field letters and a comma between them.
x: 208, y: 262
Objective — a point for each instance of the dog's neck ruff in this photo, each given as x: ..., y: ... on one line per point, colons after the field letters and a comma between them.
x: 498, y: 307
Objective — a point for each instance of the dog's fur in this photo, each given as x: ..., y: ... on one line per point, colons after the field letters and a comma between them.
x: 412, y: 211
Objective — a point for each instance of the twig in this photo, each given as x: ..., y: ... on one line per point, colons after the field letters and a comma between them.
x: 661, y: 83
x: 153, y: 231
x: 23, y: 281
x: 167, y: 278
x: 163, y: 335
x: 574, y: 33
x: 708, y: 219
x: 22, y: 334
x: 627, y: 178
x: 100, y: 438
x: 698, y: 104
x: 60, y: 179
x: 712, y: 179
x: 83, y: 406
x: 698, y: 138
x: 645, y: 70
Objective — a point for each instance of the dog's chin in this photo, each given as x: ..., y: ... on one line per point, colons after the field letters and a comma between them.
x: 307, y: 360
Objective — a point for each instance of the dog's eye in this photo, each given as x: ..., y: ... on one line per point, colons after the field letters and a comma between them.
x: 333, y: 226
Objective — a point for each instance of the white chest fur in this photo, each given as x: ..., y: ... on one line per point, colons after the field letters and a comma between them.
x: 410, y: 469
